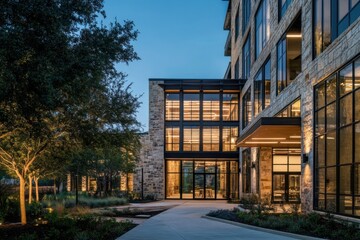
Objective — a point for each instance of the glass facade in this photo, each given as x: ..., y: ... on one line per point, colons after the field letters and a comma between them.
x: 191, y: 107
x: 246, y: 108
x: 211, y: 139
x: 337, y: 142
x: 230, y: 107
x: 262, y: 26
x: 198, y: 179
x: 191, y: 139
x: 211, y: 107
x: 283, y: 5
x: 331, y: 18
x: 172, y: 139
x: 246, y: 59
x: 246, y: 9
x: 229, y: 137
x: 262, y: 84
x: 293, y: 110
x: 172, y: 107
x: 289, y: 55
x: 286, y: 175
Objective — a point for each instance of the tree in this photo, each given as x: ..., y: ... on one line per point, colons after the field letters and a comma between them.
x: 55, y: 59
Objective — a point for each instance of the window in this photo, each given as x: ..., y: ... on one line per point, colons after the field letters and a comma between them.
x: 246, y: 108
x: 191, y: 107
x: 237, y: 27
x: 348, y: 12
x: 246, y: 13
x: 262, y: 26
x: 322, y: 25
x: 286, y: 175
x: 283, y: 5
x: 246, y: 59
x: 230, y: 107
x: 289, y: 56
x: 331, y: 18
x: 211, y: 139
x: 191, y: 139
x: 262, y: 88
x: 172, y: 140
x: 337, y: 142
x: 293, y: 110
x: 246, y: 171
x: 229, y: 137
x: 172, y: 107
x: 211, y: 107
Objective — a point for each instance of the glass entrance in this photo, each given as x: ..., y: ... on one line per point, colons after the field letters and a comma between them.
x: 201, y: 179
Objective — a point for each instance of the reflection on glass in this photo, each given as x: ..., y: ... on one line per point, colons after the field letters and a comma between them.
x: 345, y: 204
x: 294, y: 188
x: 191, y: 139
x: 211, y: 107
x: 295, y: 109
x: 199, y: 185
x: 173, y: 185
x: 230, y: 107
x: 247, y: 108
x: 320, y: 179
x: 320, y: 151
x: 191, y: 107
x: 187, y: 179
x: 345, y: 80
x: 331, y: 180
x: 346, y: 110
x: 357, y: 143
x: 210, y: 186
x: 331, y: 116
x: 229, y: 137
x: 211, y: 139
x: 172, y: 107
x: 199, y: 167
x: 357, y: 105
x: 345, y: 179
x: 330, y: 89
x: 258, y: 89
x: 346, y: 145
x: 279, y: 188
x: 267, y: 80
x: 221, y: 186
x: 357, y: 74
x: 172, y: 139
x: 331, y: 149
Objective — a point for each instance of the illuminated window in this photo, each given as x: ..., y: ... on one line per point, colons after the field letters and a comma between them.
x: 292, y: 110
x: 211, y: 140
x: 246, y: 171
x: 286, y: 175
x: 172, y: 140
x: 191, y: 139
x: 246, y: 108
x: 322, y: 25
x: 230, y: 107
x: 289, y: 56
x: 262, y: 26
x: 229, y: 137
x: 211, y: 107
x: 337, y: 142
x: 172, y: 107
x: 262, y: 84
x: 191, y: 107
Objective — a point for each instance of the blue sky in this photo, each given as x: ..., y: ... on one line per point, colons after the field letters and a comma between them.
x: 178, y: 39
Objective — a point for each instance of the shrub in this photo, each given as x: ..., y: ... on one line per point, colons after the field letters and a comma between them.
x: 34, y: 210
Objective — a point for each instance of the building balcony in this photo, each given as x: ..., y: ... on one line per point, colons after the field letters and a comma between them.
x: 227, y: 22
x: 228, y: 72
x: 227, y: 51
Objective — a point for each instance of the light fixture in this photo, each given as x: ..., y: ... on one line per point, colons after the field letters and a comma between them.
x: 297, y: 137
x: 261, y: 142
x: 253, y: 165
x: 293, y: 35
x: 268, y: 139
x: 305, y: 158
x: 290, y: 142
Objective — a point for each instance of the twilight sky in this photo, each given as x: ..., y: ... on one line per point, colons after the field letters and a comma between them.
x: 178, y: 39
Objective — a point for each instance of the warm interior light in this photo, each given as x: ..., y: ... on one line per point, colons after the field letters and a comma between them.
x: 290, y: 142
x: 298, y: 137
x: 293, y: 35
x: 268, y: 139
x: 272, y: 142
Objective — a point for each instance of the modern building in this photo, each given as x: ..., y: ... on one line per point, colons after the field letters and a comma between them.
x: 291, y: 98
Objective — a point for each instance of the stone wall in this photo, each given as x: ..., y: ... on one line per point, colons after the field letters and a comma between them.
x: 151, y: 162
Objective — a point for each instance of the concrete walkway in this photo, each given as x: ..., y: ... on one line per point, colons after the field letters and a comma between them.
x: 184, y: 222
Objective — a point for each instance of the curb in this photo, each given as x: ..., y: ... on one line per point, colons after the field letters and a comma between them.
x: 286, y: 234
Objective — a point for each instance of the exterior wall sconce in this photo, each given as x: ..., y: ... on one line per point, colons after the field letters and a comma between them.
x: 253, y: 165
x: 305, y: 158
x: 239, y: 169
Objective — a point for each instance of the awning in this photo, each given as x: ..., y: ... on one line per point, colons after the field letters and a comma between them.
x: 272, y: 132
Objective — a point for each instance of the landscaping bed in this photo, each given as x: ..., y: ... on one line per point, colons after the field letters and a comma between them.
x: 84, y: 227
x: 311, y: 224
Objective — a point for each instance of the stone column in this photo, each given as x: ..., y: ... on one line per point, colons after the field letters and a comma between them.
x: 265, y: 172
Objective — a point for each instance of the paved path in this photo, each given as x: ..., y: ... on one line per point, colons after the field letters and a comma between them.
x: 184, y: 222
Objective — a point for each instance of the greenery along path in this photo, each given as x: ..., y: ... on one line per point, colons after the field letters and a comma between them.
x: 312, y: 224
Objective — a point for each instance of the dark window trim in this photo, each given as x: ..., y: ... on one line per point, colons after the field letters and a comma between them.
x: 262, y: 70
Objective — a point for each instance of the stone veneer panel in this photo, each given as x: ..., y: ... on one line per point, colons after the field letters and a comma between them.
x: 151, y: 159
x: 265, y: 169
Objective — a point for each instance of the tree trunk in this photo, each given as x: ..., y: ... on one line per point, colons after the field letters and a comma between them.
x: 22, y: 200
x: 30, y: 189
x: 127, y: 182
x: 37, y: 188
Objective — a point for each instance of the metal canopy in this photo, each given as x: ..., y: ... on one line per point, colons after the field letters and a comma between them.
x: 273, y: 132
x: 202, y: 84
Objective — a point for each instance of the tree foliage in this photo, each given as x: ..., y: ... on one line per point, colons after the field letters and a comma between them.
x: 59, y: 84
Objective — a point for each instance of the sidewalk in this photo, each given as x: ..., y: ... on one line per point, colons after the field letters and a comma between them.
x: 184, y: 222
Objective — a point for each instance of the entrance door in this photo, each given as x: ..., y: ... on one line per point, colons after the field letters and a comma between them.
x: 204, y: 186
x: 286, y: 187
